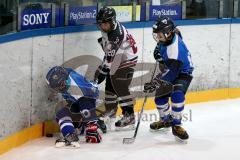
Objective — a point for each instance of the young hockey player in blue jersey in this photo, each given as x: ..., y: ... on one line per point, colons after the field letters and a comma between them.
x: 176, y: 68
x: 80, y: 95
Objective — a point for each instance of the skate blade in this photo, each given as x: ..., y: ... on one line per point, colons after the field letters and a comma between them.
x: 162, y: 130
x: 74, y: 145
x: 126, y: 128
x: 183, y: 141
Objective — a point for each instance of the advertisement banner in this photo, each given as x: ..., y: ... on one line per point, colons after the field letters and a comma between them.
x: 59, y: 19
x: 124, y: 13
x: 38, y: 18
x: 138, y: 12
x: 173, y: 11
x: 82, y: 15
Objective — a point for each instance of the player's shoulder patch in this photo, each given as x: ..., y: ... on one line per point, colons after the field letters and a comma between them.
x: 116, y: 35
x: 173, y: 49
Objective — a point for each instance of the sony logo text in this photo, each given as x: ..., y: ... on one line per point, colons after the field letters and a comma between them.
x: 33, y: 19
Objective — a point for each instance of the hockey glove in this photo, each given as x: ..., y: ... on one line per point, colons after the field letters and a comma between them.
x: 101, y: 124
x: 157, y: 55
x: 100, y: 74
x: 92, y: 134
x: 154, y: 84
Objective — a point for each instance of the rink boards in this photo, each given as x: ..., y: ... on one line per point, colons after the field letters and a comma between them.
x: 25, y: 61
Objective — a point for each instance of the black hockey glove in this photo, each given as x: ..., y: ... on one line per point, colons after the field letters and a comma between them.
x: 100, y: 74
x: 154, y: 84
x: 156, y: 54
x: 102, y: 126
x: 158, y: 58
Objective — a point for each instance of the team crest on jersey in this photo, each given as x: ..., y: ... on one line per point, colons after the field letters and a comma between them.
x: 116, y: 41
x: 109, y: 46
x: 155, y: 26
x: 86, y: 113
x: 164, y: 21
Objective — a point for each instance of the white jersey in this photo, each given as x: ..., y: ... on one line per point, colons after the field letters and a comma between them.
x: 119, y: 47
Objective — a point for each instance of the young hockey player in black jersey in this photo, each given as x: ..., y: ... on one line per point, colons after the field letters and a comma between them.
x: 117, y: 66
x: 176, y: 68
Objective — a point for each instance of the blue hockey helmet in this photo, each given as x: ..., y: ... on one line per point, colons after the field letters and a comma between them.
x: 57, y: 77
x: 165, y: 26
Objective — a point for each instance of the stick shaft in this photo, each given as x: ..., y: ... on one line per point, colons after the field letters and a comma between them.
x: 143, y: 105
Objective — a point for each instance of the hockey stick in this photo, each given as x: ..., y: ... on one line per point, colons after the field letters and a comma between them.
x: 132, y: 139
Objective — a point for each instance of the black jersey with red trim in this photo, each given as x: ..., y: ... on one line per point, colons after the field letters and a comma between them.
x: 119, y: 47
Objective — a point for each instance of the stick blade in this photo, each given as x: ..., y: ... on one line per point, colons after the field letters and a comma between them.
x: 128, y: 140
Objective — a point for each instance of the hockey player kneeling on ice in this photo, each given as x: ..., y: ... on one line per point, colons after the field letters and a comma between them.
x: 117, y: 68
x: 176, y: 67
x: 80, y: 95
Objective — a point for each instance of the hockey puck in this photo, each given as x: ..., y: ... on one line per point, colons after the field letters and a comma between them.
x: 49, y: 135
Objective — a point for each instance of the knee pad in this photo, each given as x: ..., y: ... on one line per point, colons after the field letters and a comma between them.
x: 177, y: 97
x: 63, y: 112
x: 161, y: 101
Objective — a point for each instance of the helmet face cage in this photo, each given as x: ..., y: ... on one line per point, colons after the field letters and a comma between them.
x: 62, y: 87
x: 160, y: 37
x: 155, y: 37
x: 164, y: 25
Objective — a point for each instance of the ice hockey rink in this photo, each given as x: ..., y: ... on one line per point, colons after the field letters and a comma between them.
x: 213, y: 128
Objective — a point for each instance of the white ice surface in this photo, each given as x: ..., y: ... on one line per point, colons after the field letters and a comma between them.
x: 214, y: 131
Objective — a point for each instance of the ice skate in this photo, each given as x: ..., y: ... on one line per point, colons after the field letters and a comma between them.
x: 180, y: 133
x: 127, y: 122
x: 161, y: 125
x: 69, y: 141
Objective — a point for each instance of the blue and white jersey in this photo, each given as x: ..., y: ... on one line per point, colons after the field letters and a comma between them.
x: 177, y: 50
x: 78, y: 86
